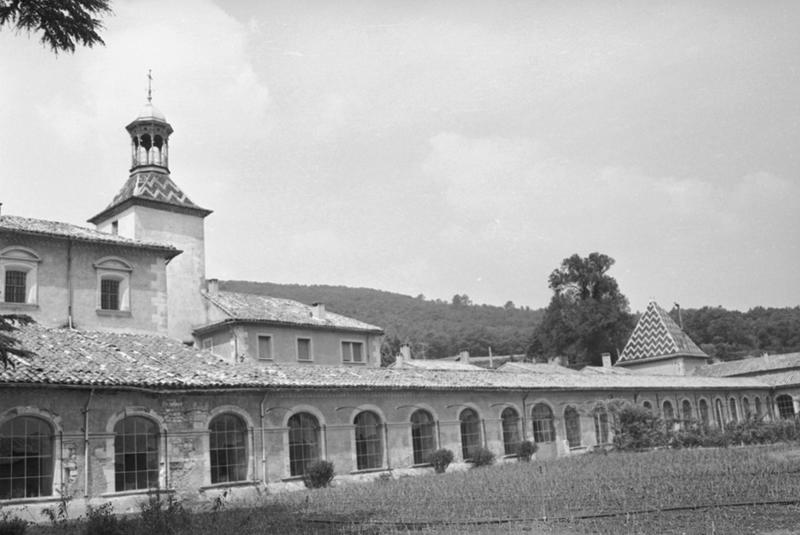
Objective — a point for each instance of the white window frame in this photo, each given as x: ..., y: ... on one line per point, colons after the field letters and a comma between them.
x: 349, y: 360
x: 310, y: 349
x: 115, y: 268
x: 259, y: 336
x: 17, y: 258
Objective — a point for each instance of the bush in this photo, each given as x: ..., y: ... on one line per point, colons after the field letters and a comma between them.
x: 526, y: 449
x: 318, y: 475
x: 100, y: 520
x: 164, y: 517
x: 637, y: 428
x: 12, y: 525
x: 441, y: 459
x: 483, y: 457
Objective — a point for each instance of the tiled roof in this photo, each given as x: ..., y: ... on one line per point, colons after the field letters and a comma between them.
x: 534, y: 367
x: 750, y: 366
x: 434, y: 364
x: 69, y: 357
x: 485, y: 361
x: 604, y: 370
x: 153, y: 186
x: 655, y: 336
x: 262, y: 308
x: 67, y: 230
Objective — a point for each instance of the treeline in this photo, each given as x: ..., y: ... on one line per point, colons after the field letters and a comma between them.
x: 731, y: 334
x: 433, y: 329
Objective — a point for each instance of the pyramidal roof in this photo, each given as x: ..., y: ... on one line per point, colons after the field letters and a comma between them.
x: 657, y: 336
x: 151, y: 186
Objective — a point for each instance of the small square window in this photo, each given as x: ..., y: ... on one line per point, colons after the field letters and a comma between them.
x: 109, y: 294
x: 264, y: 347
x: 304, y: 349
x: 352, y: 352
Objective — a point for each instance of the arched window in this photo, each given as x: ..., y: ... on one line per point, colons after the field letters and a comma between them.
x: 470, y: 433
x: 18, y: 275
x: 572, y: 423
x: 601, y: 425
x: 746, y: 408
x: 734, y: 415
x: 423, y: 436
x: 785, y: 406
x: 511, y: 437
x: 228, y: 448
x: 369, y: 441
x: 758, y: 407
x: 669, y: 413
x: 703, y: 407
x: 686, y: 410
x: 136, y: 442
x: 26, y: 458
x: 719, y: 414
x: 542, y: 419
x: 303, y: 442
x: 647, y: 405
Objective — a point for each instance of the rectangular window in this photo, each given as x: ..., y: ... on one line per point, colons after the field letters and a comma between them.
x: 109, y: 294
x: 304, y: 349
x: 352, y: 352
x: 15, y: 286
x: 264, y: 347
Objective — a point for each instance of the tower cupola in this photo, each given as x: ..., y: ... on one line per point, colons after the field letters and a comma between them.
x: 150, y: 133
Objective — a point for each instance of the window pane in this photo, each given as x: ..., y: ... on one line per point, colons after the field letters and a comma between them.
x: 423, y: 438
x: 265, y: 347
x: 109, y: 294
x: 228, y: 449
x: 136, y: 454
x: 542, y: 419
x: 601, y: 425
x: 26, y: 458
x: 304, y: 349
x: 303, y: 442
x: 15, y: 286
x: 470, y: 433
x: 511, y: 436
x: 346, y: 352
x: 357, y: 353
x: 369, y: 441
x: 573, y: 425
x: 785, y: 406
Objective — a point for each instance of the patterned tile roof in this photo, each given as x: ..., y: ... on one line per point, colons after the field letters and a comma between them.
x: 262, y: 308
x: 751, y: 366
x: 656, y: 335
x: 69, y: 357
x: 153, y: 186
x: 67, y: 230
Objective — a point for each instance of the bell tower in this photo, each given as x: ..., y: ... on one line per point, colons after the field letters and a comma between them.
x: 151, y: 207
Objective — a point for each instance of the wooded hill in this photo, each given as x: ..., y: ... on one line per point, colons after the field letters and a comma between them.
x: 434, y: 329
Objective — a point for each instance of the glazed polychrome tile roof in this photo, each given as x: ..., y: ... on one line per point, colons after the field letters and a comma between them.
x: 57, y: 229
x: 105, y: 359
x: 261, y: 308
x: 750, y: 366
x: 153, y: 186
x: 656, y: 335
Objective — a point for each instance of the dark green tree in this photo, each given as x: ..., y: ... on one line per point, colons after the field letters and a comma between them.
x: 587, y: 315
x: 62, y: 23
x: 8, y: 344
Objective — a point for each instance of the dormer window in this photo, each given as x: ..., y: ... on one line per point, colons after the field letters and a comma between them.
x: 113, y: 285
x: 19, y: 276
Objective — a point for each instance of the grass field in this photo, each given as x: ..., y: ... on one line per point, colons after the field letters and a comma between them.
x: 669, y: 491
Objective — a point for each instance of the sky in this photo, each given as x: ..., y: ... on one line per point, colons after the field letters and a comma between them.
x: 440, y: 148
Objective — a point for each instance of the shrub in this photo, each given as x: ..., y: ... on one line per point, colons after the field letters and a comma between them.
x: 441, y: 459
x: 12, y: 525
x: 318, y: 475
x: 165, y: 517
x: 526, y: 450
x: 483, y: 457
x: 100, y: 520
x: 637, y: 428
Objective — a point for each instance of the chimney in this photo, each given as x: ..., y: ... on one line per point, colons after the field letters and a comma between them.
x: 318, y: 311
x: 405, y: 352
x: 606, y: 360
x: 212, y: 286
x: 463, y: 357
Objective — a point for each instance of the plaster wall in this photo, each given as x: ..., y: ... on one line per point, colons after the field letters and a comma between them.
x: 148, y: 286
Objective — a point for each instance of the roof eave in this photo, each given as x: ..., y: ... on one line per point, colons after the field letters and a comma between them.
x: 205, y: 329
x: 120, y: 207
x: 660, y: 357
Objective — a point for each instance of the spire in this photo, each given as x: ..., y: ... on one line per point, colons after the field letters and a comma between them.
x: 150, y: 86
x: 656, y: 336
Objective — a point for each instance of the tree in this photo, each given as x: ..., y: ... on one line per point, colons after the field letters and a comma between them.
x: 587, y: 315
x: 8, y: 344
x: 461, y: 300
x: 63, y: 23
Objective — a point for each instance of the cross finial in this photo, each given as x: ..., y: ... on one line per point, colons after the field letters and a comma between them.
x: 149, y: 85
